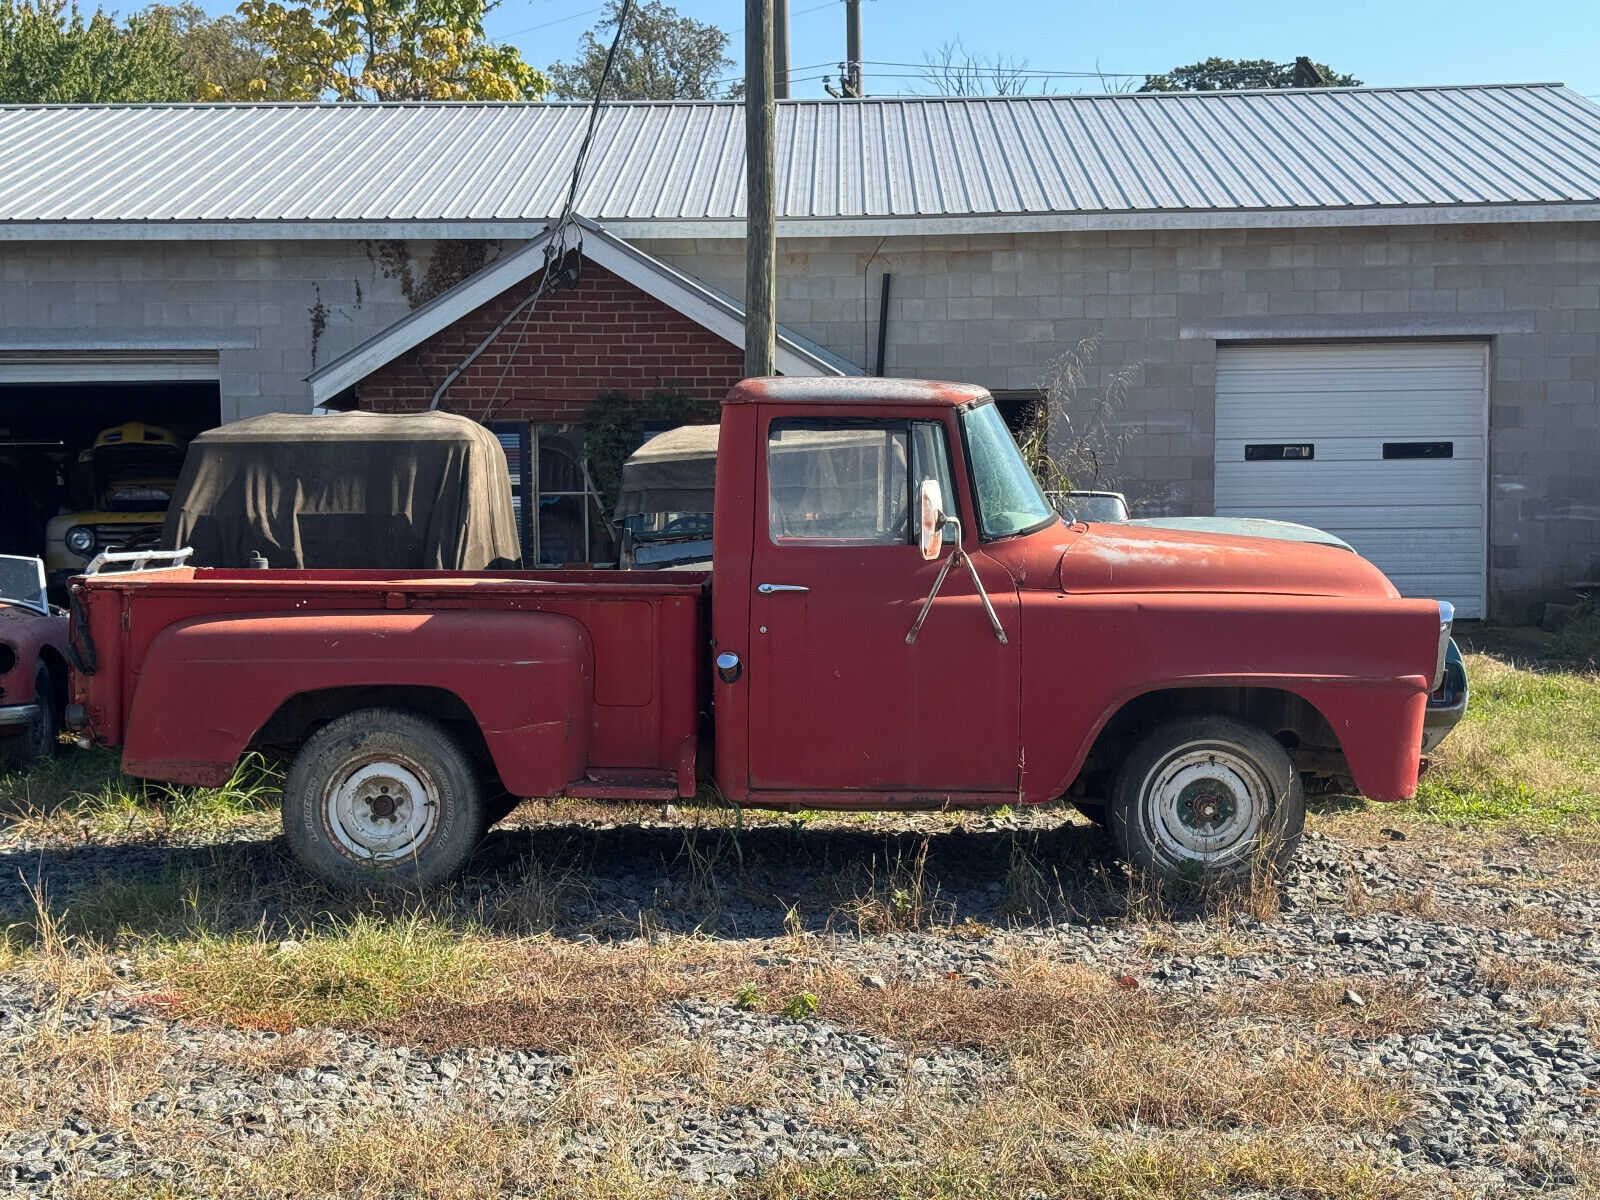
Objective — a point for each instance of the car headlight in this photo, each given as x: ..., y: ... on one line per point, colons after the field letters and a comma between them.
x: 1447, y: 615
x: 80, y: 539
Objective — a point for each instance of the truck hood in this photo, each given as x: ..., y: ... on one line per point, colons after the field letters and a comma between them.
x: 1133, y: 558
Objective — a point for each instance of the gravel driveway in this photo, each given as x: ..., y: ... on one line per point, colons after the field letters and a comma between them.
x: 1486, y: 951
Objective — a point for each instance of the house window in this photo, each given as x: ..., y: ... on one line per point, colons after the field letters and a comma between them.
x: 560, y: 518
x: 571, y: 525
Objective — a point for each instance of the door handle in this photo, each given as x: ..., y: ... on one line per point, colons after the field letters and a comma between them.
x: 766, y: 589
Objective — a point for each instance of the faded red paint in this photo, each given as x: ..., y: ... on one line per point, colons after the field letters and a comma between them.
x: 35, y: 639
x: 833, y: 708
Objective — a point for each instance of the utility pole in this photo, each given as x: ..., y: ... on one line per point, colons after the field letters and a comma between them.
x: 780, y: 49
x: 760, y: 236
x: 850, y: 81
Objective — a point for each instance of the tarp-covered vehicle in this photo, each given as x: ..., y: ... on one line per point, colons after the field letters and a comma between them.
x: 664, y: 503
x: 424, y: 491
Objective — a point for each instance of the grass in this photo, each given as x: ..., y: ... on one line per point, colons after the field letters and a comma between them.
x: 1526, y: 758
x: 81, y: 795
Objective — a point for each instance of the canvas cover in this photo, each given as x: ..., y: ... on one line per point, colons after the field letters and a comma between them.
x: 675, y: 471
x: 352, y: 490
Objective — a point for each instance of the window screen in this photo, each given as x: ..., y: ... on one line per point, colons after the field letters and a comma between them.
x: 838, y: 482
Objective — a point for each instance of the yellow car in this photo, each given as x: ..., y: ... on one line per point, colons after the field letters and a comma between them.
x: 130, y: 472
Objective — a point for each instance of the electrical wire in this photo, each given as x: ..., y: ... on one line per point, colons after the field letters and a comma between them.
x: 556, y: 250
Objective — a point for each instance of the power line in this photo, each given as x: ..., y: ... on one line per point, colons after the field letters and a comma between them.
x: 547, y: 24
x: 556, y: 250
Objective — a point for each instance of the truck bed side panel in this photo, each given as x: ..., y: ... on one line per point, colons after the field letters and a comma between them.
x: 527, y: 677
x: 644, y: 633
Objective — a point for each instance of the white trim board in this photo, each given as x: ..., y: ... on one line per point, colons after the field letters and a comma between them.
x: 106, y: 367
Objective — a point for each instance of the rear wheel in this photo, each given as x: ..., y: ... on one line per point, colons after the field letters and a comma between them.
x: 37, y: 739
x: 1207, y: 797
x: 384, y: 798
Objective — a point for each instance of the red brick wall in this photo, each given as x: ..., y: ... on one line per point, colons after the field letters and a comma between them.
x: 604, y: 334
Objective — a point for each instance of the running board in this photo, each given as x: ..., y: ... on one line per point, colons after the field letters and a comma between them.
x: 623, y: 783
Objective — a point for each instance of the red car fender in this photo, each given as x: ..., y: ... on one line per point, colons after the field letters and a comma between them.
x: 209, y: 685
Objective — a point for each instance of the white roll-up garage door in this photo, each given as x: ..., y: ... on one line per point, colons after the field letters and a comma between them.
x: 1383, y: 445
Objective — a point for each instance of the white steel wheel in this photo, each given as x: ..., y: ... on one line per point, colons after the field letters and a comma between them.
x: 385, y: 798
x: 381, y: 810
x: 1207, y: 797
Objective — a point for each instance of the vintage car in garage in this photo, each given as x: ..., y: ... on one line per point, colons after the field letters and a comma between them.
x: 33, y: 663
x: 122, y: 485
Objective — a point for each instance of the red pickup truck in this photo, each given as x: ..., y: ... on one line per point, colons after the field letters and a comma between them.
x: 896, y: 618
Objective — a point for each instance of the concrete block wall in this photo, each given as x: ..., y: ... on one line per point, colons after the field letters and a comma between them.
x: 996, y: 309
x: 252, y: 302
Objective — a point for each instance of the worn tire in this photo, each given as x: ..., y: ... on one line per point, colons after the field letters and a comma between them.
x: 37, y: 741
x: 383, y: 798
x: 1207, y: 798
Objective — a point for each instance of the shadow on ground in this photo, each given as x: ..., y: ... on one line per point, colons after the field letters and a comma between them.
x: 582, y: 881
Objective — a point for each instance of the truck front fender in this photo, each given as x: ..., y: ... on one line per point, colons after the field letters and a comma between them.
x: 209, y: 684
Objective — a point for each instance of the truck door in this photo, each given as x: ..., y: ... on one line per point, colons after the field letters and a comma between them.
x: 839, y: 702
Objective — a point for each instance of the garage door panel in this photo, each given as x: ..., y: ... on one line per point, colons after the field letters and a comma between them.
x: 1465, y: 448
x: 1317, y: 417
x: 1420, y: 520
x: 1335, y: 517
x: 1422, y: 482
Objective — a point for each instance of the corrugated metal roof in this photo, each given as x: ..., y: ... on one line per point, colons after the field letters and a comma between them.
x: 1533, y: 144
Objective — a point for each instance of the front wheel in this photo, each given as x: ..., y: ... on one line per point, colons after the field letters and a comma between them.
x: 384, y: 798
x: 1207, y: 797
x: 37, y: 740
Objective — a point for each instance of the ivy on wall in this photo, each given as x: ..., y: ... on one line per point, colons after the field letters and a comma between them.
x: 613, y: 429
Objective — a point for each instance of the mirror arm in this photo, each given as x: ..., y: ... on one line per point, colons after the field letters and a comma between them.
x: 956, y: 555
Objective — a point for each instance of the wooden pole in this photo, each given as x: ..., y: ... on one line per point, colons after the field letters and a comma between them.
x: 852, y: 49
x: 761, y: 251
x: 780, y: 49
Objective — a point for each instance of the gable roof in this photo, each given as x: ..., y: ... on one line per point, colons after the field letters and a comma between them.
x: 918, y: 165
x: 705, y: 306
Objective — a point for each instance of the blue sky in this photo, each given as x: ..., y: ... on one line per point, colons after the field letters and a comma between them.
x: 1393, y: 42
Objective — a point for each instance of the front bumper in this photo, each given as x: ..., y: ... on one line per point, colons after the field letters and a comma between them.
x: 1448, y: 705
x: 17, y: 716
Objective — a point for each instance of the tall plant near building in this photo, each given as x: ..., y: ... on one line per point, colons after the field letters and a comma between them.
x: 385, y: 50
x: 1074, y: 435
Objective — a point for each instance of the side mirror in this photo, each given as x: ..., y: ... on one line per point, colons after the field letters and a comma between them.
x: 931, y: 520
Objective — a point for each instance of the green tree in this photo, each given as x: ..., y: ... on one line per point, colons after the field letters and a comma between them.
x: 1237, y: 74
x: 384, y: 50
x: 52, y: 55
x: 662, y: 57
x: 219, y: 55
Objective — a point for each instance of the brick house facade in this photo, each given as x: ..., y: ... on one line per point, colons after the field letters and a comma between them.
x: 602, y: 335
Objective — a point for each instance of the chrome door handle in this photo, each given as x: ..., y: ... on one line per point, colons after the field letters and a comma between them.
x: 766, y: 589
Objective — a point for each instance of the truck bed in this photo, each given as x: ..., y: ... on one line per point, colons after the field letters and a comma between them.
x: 646, y: 633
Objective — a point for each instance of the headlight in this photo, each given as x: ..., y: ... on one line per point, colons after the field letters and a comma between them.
x: 1447, y: 614
x: 80, y: 539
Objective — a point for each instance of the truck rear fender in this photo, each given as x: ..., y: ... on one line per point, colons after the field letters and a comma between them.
x: 210, y: 687
x: 1377, y: 731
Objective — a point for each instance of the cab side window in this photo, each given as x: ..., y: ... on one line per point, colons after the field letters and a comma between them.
x: 842, y: 483
x: 853, y: 483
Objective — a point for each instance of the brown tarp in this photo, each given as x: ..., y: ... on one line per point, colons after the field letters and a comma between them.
x: 353, y: 490
x: 675, y: 471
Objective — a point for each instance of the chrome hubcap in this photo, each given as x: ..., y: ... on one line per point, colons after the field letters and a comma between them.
x: 1205, y: 804
x: 380, y: 811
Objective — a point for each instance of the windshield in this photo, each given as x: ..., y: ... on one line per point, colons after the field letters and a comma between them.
x: 1009, y: 500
